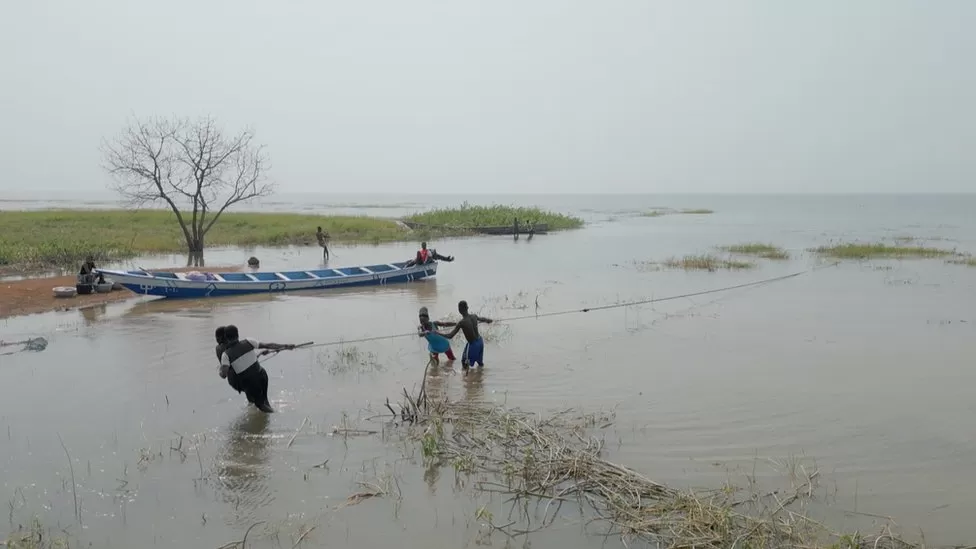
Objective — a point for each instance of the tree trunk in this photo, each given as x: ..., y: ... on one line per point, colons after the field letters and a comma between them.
x: 195, y: 259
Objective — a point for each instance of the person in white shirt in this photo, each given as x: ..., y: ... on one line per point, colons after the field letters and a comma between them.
x: 240, y: 356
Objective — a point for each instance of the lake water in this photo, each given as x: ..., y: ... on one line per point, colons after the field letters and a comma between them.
x: 865, y: 367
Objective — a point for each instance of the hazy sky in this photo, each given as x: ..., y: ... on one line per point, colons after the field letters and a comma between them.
x: 509, y: 96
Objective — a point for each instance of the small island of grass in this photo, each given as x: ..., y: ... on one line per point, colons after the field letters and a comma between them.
x: 968, y: 261
x: 658, y: 212
x: 706, y: 262
x: 854, y: 250
x: 468, y: 216
x: 758, y: 249
x: 59, y: 238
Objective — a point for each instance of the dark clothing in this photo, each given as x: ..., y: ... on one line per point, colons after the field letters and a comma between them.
x: 87, y: 274
x: 231, y: 374
x: 244, y: 373
x: 254, y: 383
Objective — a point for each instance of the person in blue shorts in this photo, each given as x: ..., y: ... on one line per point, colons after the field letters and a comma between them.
x: 436, y: 343
x: 474, y: 349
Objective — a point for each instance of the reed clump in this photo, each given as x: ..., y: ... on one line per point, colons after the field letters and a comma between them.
x: 658, y: 212
x: 707, y: 262
x: 855, y: 250
x: 968, y: 261
x: 758, y: 249
x: 541, y: 463
x: 468, y: 216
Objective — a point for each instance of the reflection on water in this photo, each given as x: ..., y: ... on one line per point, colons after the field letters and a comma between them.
x: 93, y: 313
x: 243, y: 467
x: 474, y: 388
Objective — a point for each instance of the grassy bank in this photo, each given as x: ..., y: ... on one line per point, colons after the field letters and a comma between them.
x: 493, y: 216
x: 64, y: 237
x: 854, y: 250
x: 757, y: 249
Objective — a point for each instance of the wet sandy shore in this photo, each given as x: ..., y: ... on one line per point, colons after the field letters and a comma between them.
x: 35, y: 295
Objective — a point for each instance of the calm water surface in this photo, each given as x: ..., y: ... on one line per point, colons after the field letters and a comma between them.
x: 865, y: 367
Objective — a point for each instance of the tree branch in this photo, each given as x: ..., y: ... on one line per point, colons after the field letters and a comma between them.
x: 187, y: 166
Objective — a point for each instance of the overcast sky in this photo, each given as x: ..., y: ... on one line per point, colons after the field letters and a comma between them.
x: 509, y: 96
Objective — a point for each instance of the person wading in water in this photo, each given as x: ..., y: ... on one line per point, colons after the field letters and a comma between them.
x: 239, y: 365
x: 323, y: 238
x: 474, y: 349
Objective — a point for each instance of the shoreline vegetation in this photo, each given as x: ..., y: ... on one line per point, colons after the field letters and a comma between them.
x: 879, y: 250
x: 48, y: 239
x: 467, y: 216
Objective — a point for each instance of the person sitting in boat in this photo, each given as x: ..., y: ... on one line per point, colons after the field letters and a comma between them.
x: 436, y: 343
x: 425, y: 256
x: 241, y: 357
x: 87, y: 274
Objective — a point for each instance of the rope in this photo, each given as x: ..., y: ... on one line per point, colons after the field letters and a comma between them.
x: 590, y: 309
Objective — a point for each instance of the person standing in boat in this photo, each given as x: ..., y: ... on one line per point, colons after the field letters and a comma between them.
x: 240, y: 359
x: 425, y: 256
x: 323, y: 238
x: 474, y: 349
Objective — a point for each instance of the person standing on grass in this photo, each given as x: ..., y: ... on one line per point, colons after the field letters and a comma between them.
x: 240, y: 360
x: 474, y: 349
x: 323, y: 238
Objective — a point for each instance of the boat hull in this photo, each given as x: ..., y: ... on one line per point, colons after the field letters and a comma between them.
x: 171, y: 286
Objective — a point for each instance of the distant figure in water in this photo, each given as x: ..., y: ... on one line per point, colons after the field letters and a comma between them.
x: 240, y: 356
x: 253, y: 262
x: 515, y: 229
x: 436, y: 343
x: 474, y: 349
x: 425, y: 256
x: 323, y: 238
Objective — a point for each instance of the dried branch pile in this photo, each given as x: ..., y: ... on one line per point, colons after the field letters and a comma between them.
x: 541, y: 463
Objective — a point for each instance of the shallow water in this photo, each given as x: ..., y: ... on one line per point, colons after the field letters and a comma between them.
x: 865, y: 367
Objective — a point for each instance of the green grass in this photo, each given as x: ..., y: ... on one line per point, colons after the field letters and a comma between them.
x: 706, y: 262
x: 658, y: 212
x: 854, y: 250
x: 467, y: 215
x: 968, y: 261
x: 65, y: 237
x: 758, y: 249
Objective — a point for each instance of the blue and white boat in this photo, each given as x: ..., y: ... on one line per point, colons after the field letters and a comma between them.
x: 210, y: 284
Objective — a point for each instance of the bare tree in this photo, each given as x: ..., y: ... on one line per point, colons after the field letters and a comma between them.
x: 191, y: 166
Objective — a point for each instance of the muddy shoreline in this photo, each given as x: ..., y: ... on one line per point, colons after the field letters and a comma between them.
x: 34, y: 295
